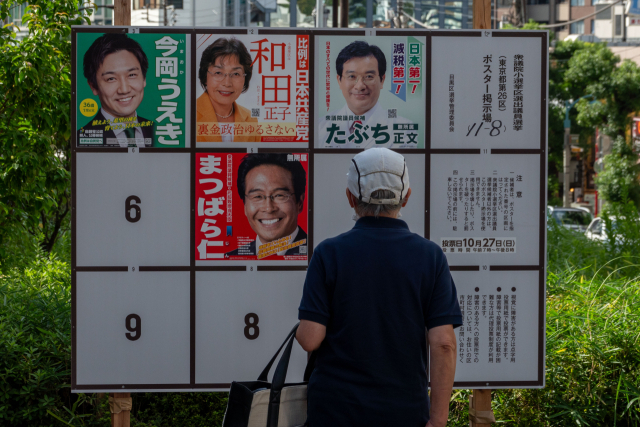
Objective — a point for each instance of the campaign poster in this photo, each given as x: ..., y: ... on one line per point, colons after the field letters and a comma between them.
x: 370, y: 91
x: 252, y: 88
x: 251, y: 206
x: 131, y: 90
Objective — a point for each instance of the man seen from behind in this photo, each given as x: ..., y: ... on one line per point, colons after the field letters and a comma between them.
x: 372, y: 297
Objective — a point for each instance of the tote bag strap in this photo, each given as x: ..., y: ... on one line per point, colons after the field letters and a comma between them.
x: 277, y: 383
x: 311, y: 364
x: 265, y: 372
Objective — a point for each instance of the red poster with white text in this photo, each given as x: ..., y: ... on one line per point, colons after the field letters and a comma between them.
x: 251, y: 206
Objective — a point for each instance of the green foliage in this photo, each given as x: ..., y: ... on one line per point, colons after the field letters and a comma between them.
x: 593, y: 351
x: 617, y: 90
x: 35, y: 353
x: 175, y: 409
x: 35, y: 93
x: 306, y: 6
x: 618, y: 182
x: 531, y: 25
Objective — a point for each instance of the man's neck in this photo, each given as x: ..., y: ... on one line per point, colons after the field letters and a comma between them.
x: 384, y: 215
x: 111, y: 117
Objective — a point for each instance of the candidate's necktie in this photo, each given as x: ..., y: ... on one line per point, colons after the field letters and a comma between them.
x: 353, y: 125
x: 130, y: 132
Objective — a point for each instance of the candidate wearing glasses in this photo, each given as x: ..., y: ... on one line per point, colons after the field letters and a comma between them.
x: 225, y: 72
x: 273, y: 190
x: 361, y: 70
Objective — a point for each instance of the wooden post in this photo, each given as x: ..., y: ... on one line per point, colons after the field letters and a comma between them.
x: 482, y: 14
x: 344, y: 13
x: 335, y: 18
x: 122, y: 12
x: 480, y: 414
x: 120, y: 406
x: 122, y: 417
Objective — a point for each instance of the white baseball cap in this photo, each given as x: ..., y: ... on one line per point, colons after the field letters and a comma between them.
x: 378, y: 169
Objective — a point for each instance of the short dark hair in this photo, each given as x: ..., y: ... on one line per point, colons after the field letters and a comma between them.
x: 250, y: 161
x: 106, y: 45
x: 221, y: 48
x: 360, y: 49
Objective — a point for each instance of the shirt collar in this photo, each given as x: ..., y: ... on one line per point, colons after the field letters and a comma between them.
x: 291, y: 236
x: 112, y: 118
x: 380, y: 222
x: 366, y: 115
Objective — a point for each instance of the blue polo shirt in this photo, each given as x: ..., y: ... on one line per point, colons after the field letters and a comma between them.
x: 375, y: 288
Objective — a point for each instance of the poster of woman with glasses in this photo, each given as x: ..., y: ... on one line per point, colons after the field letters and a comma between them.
x: 252, y: 90
x: 251, y: 206
x: 373, y: 92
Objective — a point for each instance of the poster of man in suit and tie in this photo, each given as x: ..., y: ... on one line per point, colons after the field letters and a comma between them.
x: 131, y: 90
x: 372, y: 93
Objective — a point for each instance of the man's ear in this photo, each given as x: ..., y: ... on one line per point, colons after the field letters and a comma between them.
x: 338, y: 79
x: 351, y: 198
x: 406, y: 198
x: 95, y: 91
x: 382, y: 79
x: 300, y: 203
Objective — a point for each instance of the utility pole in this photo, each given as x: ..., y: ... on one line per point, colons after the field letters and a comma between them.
x: 566, y: 164
x: 319, y: 13
x: 566, y: 185
x: 624, y: 22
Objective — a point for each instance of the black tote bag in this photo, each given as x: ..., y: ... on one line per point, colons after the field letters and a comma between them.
x: 270, y: 404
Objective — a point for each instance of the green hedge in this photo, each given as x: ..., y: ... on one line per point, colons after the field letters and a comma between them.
x: 35, y: 349
x: 593, y: 351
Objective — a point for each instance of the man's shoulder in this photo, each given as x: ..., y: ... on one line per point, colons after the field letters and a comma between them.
x: 99, y: 118
x: 416, y: 239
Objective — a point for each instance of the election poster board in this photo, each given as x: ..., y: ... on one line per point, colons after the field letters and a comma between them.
x: 271, y: 103
x: 137, y: 96
x: 375, y: 101
x: 190, y: 243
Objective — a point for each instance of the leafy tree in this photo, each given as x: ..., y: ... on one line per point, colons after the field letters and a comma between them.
x: 617, y: 90
x: 618, y: 182
x: 35, y: 88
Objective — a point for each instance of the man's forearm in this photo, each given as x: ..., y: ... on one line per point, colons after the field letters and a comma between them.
x: 442, y: 370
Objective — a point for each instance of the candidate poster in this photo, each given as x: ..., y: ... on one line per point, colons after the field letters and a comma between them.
x: 131, y: 90
x: 251, y: 206
x: 370, y: 91
x: 252, y: 89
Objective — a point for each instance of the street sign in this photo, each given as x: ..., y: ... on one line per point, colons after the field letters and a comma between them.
x: 632, y: 7
x: 181, y: 283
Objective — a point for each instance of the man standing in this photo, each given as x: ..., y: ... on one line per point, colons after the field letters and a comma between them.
x: 362, y: 123
x: 115, y: 67
x: 371, y: 297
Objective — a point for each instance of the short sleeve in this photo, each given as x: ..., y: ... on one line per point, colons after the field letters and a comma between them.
x: 314, y: 305
x: 442, y: 307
